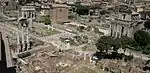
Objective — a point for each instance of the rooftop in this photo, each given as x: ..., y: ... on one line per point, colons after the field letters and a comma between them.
x: 60, y: 5
x: 28, y: 8
x: 4, y: 0
x: 134, y: 12
x: 125, y: 9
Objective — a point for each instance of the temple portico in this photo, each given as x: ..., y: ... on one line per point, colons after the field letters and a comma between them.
x: 25, y: 20
x: 125, y: 28
x: 127, y: 23
x: 28, y: 11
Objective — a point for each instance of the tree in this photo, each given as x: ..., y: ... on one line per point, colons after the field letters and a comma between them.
x: 104, y: 43
x: 107, y: 42
x: 116, y: 44
x: 127, y: 42
x: 142, y: 38
x: 146, y: 49
x: 82, y: 10
x: 138, y: 48
x: 147, y: 24
x: 100, y: 46
x: 47, y: 21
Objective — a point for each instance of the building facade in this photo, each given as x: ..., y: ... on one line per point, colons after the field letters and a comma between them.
x: 127, y: 23
x: 45, y: 9
x: 59, y: 13
x: 9, y: 7
x: 46, y: 1
x: 28, y: 11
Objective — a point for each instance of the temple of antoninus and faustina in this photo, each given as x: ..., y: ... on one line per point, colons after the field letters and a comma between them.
x: 126, y: 23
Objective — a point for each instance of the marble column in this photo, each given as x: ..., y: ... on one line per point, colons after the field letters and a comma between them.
x: 132, y: 32
x: 116, y: 32
x: 27, y: 38
x: 18, y: 41
x: 68, y: 45
x: 113, y: 30
x: 120, y: 31
x: 26, y: 14
x: 110, y: 30
x: 22, y: 14
x: 22, y: 34
x: 125, y: 31
x: 84, y: 56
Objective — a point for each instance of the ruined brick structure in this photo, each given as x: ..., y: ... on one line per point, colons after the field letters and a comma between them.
x: 57, y: 12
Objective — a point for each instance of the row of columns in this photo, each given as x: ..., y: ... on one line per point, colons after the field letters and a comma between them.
x: 118, y: 31
x: 22, y: 39
x: 28, y: 14
x: 23, y: 43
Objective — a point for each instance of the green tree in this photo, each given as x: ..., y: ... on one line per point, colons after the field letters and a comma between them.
x: 116, y: 44
x: 146, y: 49
x: 138, y: 48
x: 142, y: 38
x: 126, y: 42
x: 147, y: 24
x: 82, y: 10
x: 104, y: 43
x: 47, y: 21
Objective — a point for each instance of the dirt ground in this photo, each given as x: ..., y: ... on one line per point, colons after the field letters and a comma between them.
x: 51, y: 61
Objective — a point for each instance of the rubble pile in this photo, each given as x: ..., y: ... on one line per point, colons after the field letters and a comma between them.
x: 116, y: 66
x: 76, y: 40
x: 42, y: 63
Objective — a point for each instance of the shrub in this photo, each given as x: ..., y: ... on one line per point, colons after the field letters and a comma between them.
x: 142, y: 38
x: 138, y: 48
x: 145, y: 51
x: 23, y: 55
x: 82, y: 10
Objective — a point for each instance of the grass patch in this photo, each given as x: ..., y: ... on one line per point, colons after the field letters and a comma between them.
x: 48, y: 32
